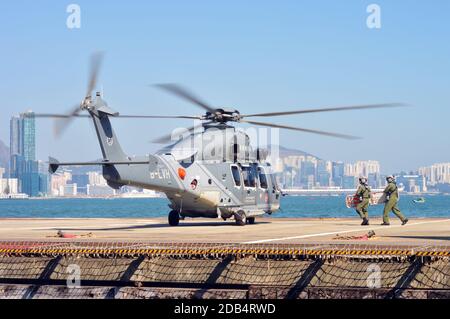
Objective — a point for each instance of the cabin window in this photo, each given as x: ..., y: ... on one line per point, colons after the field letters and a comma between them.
x: 262, y: 178
x: 236, y: 175
x: 235, y: 149
x: 249, y: 176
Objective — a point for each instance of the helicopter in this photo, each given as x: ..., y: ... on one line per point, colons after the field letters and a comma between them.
x: 211, y: 171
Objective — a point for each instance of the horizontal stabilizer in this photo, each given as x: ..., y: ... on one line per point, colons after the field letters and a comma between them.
x: 54, y: 164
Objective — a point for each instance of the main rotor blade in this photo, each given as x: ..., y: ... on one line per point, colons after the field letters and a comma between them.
x: 130, y: 116
x: 158, y: 117
x: 184, y: 94
x: 56, y: 116
x: 330, y: 109
x: 63, y: 122
x: 348, y: 137
x: 168, y: 137
x: 96, y: 61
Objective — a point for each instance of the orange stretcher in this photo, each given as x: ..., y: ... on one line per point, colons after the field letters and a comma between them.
x: 377, y: 198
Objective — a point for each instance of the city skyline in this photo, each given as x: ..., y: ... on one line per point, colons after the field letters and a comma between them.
x: 31, y: 153
x: 295, y: 169
x: 13, y: 146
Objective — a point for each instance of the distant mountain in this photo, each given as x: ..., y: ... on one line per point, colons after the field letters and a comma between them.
x: 4, y: 155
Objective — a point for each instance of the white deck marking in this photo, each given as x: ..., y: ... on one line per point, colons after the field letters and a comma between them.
x: 341, y: 232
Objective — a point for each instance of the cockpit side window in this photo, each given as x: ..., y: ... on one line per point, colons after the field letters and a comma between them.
x: 236, y: 175
x: 262, y: 178
x: 274, y: 182
x: 249, y: 176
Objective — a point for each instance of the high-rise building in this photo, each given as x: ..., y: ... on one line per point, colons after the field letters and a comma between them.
x: 338, y: 173
x: 362, y: 168
x: 30, y: 178
x: 23, y: 165
x: 95, y: 178
x: 412, y: 183
x: 58, y: 183
x: 436, y: 174
x: 323, y: 173
x: 15, y: 136
x: 14, y: 146
x: 28, y: 150
x: 290, y: 176
x: 308, y: 174
x: 8, y: 186
x: 44, y: 178
x: 70, y: 190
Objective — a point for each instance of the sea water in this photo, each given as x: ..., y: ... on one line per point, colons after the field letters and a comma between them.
x: 291, y: 206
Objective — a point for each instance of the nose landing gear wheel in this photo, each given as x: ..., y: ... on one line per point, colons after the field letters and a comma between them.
x: 240, y: 217
x: 174, y: 218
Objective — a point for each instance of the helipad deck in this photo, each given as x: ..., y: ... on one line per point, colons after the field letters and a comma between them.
x: 418, y: 232
x: 275, y: 258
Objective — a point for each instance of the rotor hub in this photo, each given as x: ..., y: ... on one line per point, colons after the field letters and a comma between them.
x: 223, y: 115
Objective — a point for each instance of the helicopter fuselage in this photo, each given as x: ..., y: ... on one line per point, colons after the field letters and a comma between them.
x: 214, y: 173
x: 201, y: 189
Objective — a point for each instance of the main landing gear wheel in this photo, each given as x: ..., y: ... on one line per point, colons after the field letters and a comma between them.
x: 240, y: 217
x: 251, y: 220
x: 174, y: 218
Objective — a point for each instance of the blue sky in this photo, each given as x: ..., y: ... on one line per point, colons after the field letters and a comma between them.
x: 256, y: 56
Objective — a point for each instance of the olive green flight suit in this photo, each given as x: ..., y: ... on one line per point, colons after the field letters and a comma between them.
x: 391, y: 191
x: 363, y: 192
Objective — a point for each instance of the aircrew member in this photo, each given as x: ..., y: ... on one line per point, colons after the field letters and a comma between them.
x: 391, y: 192
x: 363, y: 192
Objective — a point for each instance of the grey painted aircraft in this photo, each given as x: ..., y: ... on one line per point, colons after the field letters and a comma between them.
x: 211, y: 171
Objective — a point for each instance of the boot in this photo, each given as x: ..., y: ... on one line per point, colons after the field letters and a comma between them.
x: 365, y: 222
x: 405, y: 221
